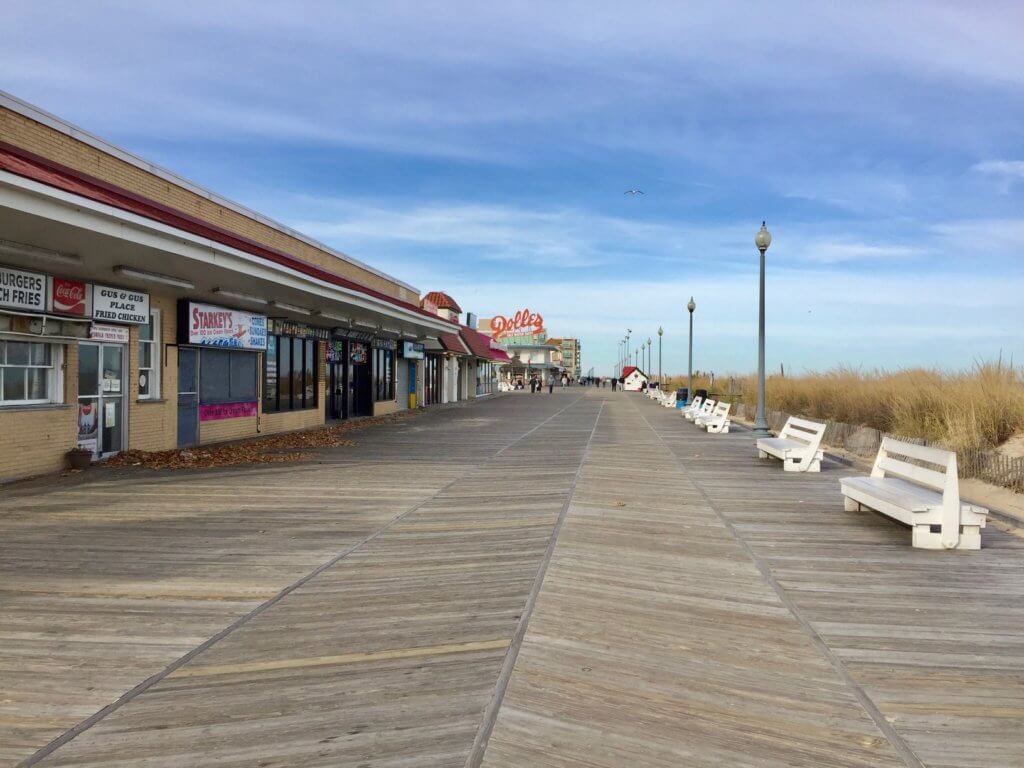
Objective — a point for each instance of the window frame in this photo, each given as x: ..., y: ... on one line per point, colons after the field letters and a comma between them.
x: 383, y: 374
x: 53, y: 376
x: 297, y: 379
x: 155, y: 357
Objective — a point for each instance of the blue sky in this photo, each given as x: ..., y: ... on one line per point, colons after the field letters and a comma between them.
x: 484, y: 151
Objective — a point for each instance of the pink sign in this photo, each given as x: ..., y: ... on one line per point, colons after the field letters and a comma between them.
x: 226, y: 411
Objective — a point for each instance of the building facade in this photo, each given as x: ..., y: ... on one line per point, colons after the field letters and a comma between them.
x: 140, y: 311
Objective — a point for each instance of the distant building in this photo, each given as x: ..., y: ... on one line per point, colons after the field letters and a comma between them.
x: 633, y: 379
x: 525, y: 338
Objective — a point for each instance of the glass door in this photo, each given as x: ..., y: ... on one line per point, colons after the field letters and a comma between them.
x: 101, y: 393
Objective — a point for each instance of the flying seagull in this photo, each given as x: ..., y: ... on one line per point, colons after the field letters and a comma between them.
x: 633, y: 192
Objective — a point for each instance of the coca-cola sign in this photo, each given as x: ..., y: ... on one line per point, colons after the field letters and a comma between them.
x: 70, y: 297
x: 522, y: 323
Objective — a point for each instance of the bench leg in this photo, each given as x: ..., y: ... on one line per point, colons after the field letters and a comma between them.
x: 762, y: 454
x: 970, y: 537
x: 850, y: 505
x: 925, y: 538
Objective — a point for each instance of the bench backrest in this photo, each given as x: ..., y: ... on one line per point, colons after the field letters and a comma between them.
x: 802, y: 430
x: 697, y: 403
x: 708, y: 407
x: 891, y: 461
x: 721, y: 409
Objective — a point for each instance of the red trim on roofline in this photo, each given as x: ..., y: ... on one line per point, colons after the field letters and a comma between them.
x: 29, y: 165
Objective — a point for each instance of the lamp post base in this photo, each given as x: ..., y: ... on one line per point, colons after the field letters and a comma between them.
x: 761, y: 431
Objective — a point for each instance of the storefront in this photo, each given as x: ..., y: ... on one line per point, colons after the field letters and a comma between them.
x: 64, y: 344
x: 219, y: 351
x: 140, y: 311
x: 349, y: 374
x: 433, y: 378
x: 410, y: 365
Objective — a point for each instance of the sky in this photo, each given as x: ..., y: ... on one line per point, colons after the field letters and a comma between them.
x: 484, y: 149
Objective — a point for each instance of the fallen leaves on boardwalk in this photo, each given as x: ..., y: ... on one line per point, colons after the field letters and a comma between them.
x: 287, y: 446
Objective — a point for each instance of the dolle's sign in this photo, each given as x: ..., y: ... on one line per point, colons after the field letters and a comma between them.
x: 210, y: 326
x: 522, y: 323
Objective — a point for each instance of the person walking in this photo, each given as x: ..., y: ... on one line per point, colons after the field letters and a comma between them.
x: 615, y: 384
x: 551, y: 384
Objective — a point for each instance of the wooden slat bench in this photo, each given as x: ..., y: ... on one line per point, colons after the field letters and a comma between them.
x: 926, y: 499
x: 716, y: 421
x: 705, y: 409
x: 693, y: 407
x: 798, y: 445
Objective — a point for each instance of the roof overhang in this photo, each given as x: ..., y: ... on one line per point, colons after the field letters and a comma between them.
x: 104, y: 236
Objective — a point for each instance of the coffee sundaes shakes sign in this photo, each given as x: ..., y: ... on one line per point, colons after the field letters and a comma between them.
x: 522, y: 323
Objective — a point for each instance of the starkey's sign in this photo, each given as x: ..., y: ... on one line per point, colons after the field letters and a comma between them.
x: 522, y: 323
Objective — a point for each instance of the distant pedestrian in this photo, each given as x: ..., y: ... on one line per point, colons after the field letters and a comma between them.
x: 615, y: 384
x: 551, y: 385
x: 533, y: 385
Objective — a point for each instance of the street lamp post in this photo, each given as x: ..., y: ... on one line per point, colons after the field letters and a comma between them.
x: 649, y: 344
x: 661, y: 381
x: 762, y: 240
x: 690, y: 305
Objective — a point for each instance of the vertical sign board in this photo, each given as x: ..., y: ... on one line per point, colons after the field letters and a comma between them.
x: 22, y: 290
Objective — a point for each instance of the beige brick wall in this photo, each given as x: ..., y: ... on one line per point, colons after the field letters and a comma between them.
x: 34, y: 440
x: 35, y: 137
x: 153, y: 424
x: 226, y: 429
x: 384, y: 407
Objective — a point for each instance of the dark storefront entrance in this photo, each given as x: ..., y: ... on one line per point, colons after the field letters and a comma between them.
x: 349, y: 383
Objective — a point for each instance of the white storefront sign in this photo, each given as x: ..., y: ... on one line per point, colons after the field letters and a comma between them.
x: 120, y: 305
x: 211, y: 326
x: 111, y: 334
x: 22, y: 290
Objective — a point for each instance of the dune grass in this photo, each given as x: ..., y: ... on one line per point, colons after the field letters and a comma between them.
x: 973, y: 409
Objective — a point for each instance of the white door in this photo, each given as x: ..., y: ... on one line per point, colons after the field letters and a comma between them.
x: 101, y: 393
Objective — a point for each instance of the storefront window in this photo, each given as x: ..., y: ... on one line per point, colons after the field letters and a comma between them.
x: 149, y: 358
x: 27, y: 372
x: 290, y: 374
x: 383, y: 374
x: 226, y: 376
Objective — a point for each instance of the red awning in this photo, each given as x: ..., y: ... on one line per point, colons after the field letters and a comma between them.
x: 452, y: 343
x: 480, y: 345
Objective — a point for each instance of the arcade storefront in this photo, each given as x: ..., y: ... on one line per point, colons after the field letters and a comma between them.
x: 361, y: 374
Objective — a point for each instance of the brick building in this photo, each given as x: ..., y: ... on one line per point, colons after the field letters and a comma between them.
x: 139, y: 310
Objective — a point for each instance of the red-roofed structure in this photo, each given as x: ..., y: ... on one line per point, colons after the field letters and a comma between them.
x: 442, y: 300
x: 452, y: 343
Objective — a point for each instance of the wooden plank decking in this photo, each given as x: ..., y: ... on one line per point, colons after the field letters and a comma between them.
x: 686, y: 605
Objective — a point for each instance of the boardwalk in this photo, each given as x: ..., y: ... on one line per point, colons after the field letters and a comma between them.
x: 574, y: 579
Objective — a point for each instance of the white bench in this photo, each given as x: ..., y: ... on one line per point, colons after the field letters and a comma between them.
x: 716, y: 421
x: 704, y: 410
x: 798, y: 445
x: 669, y: 400
x: 694, y: 405
x: 926, y: 499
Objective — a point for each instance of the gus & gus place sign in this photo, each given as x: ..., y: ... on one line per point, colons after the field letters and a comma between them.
x: 120, y: 305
